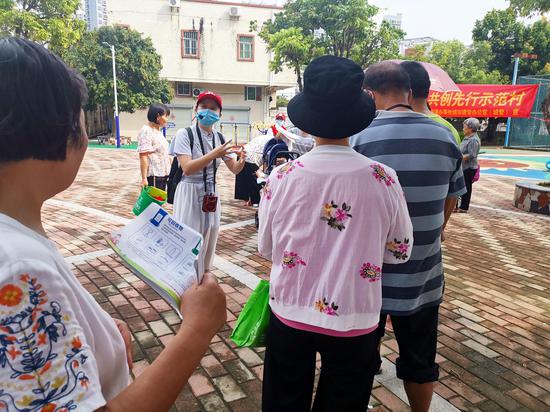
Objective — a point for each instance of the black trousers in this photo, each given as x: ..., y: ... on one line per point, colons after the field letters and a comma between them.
x: 157, y: 181
x: 246, y: 184
x: 348, y: 366
x: 469, y: 180
x: 416, y: 337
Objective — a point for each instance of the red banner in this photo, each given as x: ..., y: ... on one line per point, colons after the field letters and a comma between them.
x: 484, y: 100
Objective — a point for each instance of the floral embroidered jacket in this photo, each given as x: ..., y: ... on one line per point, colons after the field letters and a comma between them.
x: 328, y: 221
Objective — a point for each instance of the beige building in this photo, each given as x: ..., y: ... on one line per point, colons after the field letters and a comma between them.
x: 207, y: 45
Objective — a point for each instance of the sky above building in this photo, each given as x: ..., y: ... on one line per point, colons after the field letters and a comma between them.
x: 441, y: 19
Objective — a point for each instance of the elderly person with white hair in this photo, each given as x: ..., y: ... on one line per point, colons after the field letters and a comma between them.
x: 470, y: 149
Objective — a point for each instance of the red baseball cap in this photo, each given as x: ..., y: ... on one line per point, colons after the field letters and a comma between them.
x: 211, y: 96
x: 281, y: 116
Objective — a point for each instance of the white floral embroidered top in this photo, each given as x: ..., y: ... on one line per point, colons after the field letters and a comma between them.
x: 328, y: 221
x: 59, y: 350
x: 153, y: 141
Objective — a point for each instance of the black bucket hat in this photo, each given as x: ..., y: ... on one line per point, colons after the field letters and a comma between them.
x: 333, y: 104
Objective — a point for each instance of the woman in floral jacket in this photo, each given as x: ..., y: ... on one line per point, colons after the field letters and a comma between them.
x: 328, y: 222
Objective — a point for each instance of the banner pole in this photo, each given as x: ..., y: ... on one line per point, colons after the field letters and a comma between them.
x: 509, y: 121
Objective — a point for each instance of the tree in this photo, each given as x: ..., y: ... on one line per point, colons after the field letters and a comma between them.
x: 138, y: 68
x: 506, y: 36
x: 538, y: 42
x: 291, y: 48
x: 51, y: 22
x: 449, y: 55
x: 475, y: 66
x: 418, y: 53
x: 344, y: 28
x: 282, y: 101
x: 383, y: 45
x: 530, y: 7
x: 463, y: 64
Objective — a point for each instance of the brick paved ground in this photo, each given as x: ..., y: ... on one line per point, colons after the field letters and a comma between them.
x: 494, y: 335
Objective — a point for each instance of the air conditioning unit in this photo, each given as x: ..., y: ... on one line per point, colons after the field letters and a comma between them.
x: 175, y: 4
x: 197, y: 91
x: 234, y: 12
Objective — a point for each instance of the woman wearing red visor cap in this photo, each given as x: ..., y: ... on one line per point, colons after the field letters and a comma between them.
x: 200, y: 150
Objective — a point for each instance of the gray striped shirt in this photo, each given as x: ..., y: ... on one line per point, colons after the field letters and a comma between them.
x: 428, y: 163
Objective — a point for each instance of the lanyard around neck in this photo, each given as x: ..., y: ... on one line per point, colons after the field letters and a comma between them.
x: 395, y: 106
x: 204, y: 171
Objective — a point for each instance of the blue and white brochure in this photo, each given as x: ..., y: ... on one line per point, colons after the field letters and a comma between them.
x: 161, y: 251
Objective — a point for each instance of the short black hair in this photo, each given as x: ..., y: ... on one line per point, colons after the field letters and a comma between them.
x: 419, y: 77
x: 156, y: 110
x: 385, y: 77
x: 41, y: 99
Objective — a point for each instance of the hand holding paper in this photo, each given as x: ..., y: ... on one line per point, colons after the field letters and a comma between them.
x: 203, y: 306
x: 160, y: 251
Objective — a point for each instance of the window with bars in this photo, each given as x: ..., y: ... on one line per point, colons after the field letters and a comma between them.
x: 183, y: 89
x: 190, y: 43
x: 252, y: 93
x: 245, y: 47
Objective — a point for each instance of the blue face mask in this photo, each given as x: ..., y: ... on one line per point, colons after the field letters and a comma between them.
x: 207, y: 117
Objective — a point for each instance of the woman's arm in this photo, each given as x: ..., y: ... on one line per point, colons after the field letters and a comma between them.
x: 472, y: 149
x: 159, y: 385
x: 144, y: 167
x: 190, y: 166
x: 236, y: 166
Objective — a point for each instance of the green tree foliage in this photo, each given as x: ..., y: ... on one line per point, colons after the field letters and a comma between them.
x: 418, y: 53
x: 138, y: 67
x: 345, y: 28
x: 50, y: 22
x: 291, y: 48
x: 538, y: 42
x: 381, y: 44
x: 282, y: 101
x: 449, y: 55
x: 507, y: 35
x: 530, y: 7
x: 464, y: 65
x: 475, y: 66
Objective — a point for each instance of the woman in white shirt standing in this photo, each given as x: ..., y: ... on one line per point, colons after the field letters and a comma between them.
x: 200, y: 150
x: 154, y: 160
x: 59, y: 350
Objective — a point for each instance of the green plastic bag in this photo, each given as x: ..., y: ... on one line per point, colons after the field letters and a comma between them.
x: 253, y: 320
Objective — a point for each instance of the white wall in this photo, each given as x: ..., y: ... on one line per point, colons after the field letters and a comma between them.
x: 218, y: 68
x: 218, y: 47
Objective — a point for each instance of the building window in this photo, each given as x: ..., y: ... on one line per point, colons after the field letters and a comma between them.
x: 183, y: 89
x: 190, y: 42
x: 245, y: 43
x: 253, y: 94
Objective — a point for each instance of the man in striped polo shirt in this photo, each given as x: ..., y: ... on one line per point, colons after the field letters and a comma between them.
x: 428, y: 165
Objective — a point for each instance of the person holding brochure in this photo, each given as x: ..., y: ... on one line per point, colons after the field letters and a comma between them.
x: 80, y: 355
x: 200, y: 150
